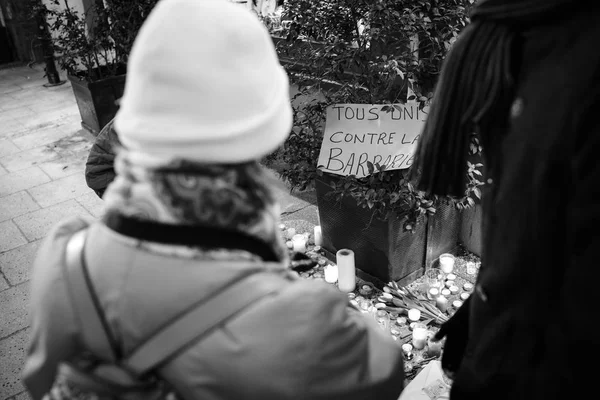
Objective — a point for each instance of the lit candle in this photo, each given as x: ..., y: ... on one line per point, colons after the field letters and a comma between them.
x: 433, y: 293
x: 299, y: 243
x: 468, y: 286
x: 419, y: 336
x: 464, y: 296
x: 434, y: 349
x: 441, y: 302
x: 446, y: 263
x: 414, y: 314
x: 346, y: 270
x: 454, y: 289
x: 457, y: 303
x: 445, y: 292
x: 318, y: 236
x: 331, y: 273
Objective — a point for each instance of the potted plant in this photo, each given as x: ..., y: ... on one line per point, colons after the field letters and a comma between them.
x: 93, y: 48
x: 386, y: 52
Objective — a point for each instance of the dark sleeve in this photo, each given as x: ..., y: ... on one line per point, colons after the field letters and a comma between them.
x: 54, y: 332
x: 570, y: 346
x: 99, y: 168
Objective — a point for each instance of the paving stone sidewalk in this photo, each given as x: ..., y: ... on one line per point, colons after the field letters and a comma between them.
x: 43, y: 150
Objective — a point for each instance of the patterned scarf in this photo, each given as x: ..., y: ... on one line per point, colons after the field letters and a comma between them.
x: 236, y: 197
x: 475, y: 89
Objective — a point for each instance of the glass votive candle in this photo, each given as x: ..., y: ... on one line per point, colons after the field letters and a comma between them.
x: 299, y: 243
x: 419, y: 336
x: 383, y: 319
x: 407, y: 349
x: 414, y: 315
x: 434, y: 348
x: 290, y: 233
x: 447, y: 263
x: 433, y: 277
x: 471, y: 267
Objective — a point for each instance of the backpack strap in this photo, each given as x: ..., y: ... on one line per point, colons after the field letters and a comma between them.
x: 94, y: 329
x: 200, y: 319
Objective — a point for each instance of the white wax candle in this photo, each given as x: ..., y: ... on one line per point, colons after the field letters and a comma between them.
x: 290, y: 233
x: 450, y: 277
x: 346, y: 270
x: 446, y: 263
x: 441, y: 302
x: 433, y: 293
x: 414, y: 314
x: 331, y: 273
x: 468, y: 286
x: 318, y: 236
x: 464, y: 296
x: 407, y: 348
x: 299, y: 243
x: 457, y: 303
x: 449, y: 284
x: 419, y: 337
x: 454, y: 289
x: 445, y: 292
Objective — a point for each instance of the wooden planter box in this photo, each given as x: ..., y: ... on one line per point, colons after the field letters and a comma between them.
x: 97, y: 100
x: 383, y: 252
x: 470, y: 232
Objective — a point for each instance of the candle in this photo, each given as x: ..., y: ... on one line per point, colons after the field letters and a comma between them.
x: 433, y: 293
x: 414, y: 314
x: 445, y: 292
x: 318, y: 236
x: 449, y: 284
x: 299, y: 243
x: 464, y: 296
x: 471, y: 268
x: 290, y: 233
x: 289, y: 244
x: 457, y: 303
x: 346, y: 270
x: 450, y: 277
x: 331, y: 273
x: 454, y: 289
x: 434, y: 349
x: 401, y: 321
x: 419, y: 336
x: 468, y: 286
x: 446, y: 263
x: 365, y: 290
x: 407, y: 348
x: 441, y: 302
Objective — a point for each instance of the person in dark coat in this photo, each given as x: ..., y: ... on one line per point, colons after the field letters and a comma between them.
x: 524, y: 76
x: 99, y: 168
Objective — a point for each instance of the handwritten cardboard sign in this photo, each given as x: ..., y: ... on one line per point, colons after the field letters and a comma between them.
x: 358, y: 133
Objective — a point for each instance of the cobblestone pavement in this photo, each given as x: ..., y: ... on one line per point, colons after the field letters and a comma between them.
x: 43, y: 150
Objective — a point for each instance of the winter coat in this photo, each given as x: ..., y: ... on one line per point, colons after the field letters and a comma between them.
x: 522, y: 334
x: 99, y: 168
x: 301, y: 343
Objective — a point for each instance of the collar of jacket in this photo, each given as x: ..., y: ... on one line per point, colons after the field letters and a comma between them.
x: 189, y: 235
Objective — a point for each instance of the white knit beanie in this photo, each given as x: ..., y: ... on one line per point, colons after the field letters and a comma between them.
x: 204, y: 83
